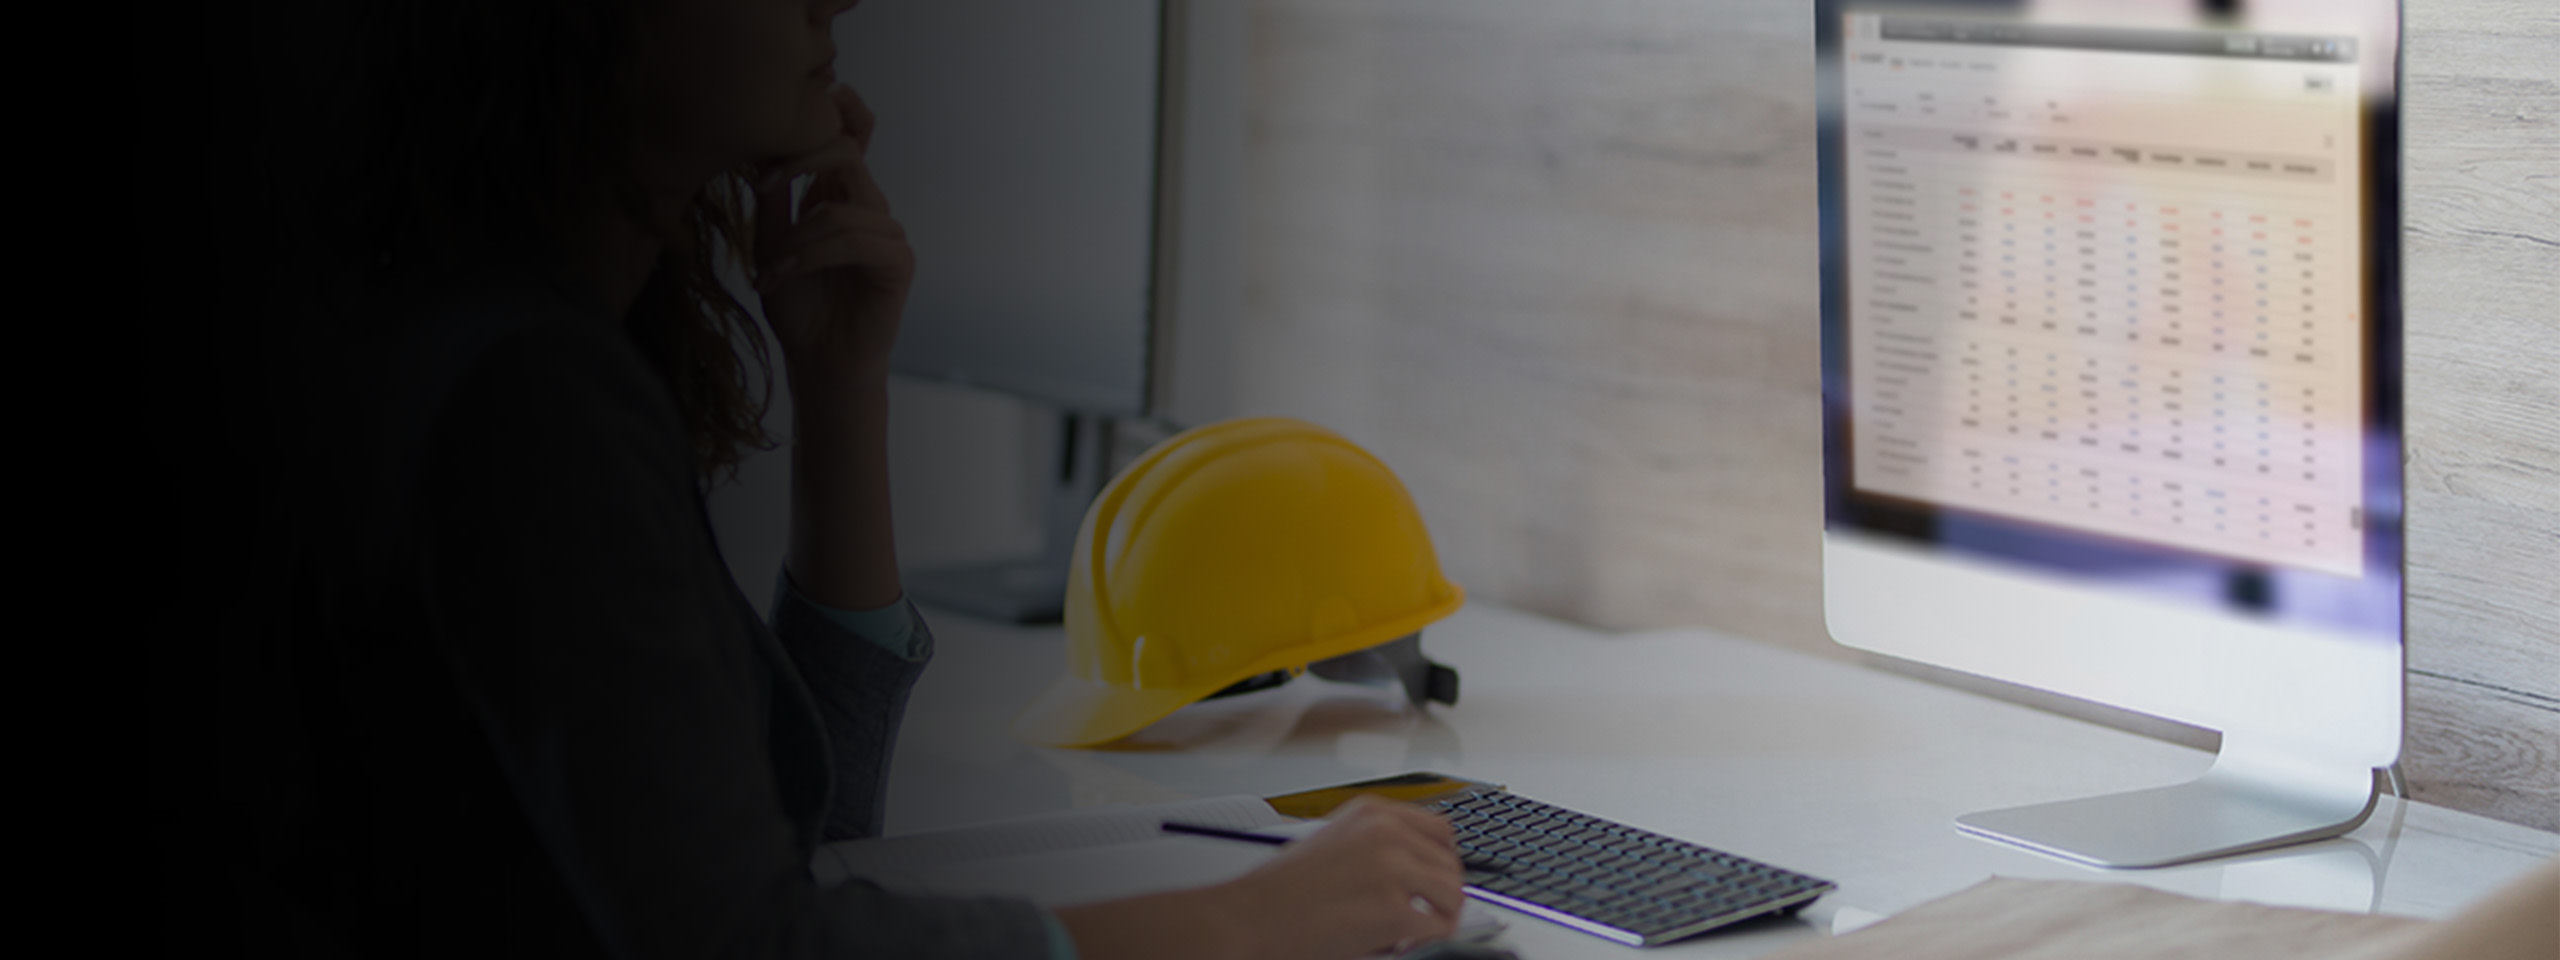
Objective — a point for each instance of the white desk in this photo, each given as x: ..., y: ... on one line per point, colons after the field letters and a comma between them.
x: 1818, y: 766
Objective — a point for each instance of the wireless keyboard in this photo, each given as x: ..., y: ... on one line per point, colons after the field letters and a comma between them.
x: 1606, y: 878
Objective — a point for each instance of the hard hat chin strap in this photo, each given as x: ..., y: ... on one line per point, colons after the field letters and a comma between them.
x: 1397, y: 661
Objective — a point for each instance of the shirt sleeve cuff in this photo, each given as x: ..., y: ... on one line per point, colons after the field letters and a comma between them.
x: 892, y: 628
x: 1061, y: 946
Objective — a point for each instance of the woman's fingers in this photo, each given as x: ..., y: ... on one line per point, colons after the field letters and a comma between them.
x: 773, y: 216
x: 864, y: 250
x: 1380, y: 874
x: 1426, y: 857
x: 841, y: 156
x: 858, y: 119
x: 1438, y: 876
x: 826, y: 222
x: 836, y: 153
x: 841, y: 176
x: 1445, y: 892
x: 828, y: 219
x: 1422, y: 824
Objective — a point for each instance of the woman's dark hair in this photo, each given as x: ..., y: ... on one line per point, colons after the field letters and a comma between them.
x: 411, y: 143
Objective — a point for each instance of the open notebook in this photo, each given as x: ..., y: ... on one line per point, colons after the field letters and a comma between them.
x: 1083, y: 856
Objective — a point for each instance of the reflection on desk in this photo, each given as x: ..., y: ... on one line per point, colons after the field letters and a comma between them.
x: 1815, y: 765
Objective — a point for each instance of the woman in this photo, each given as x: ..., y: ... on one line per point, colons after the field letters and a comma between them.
x: 505, y: 697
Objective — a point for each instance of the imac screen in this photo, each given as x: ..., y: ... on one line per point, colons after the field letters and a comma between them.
x: 2111, y: 293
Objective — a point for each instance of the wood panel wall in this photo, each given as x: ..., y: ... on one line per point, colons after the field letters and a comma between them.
x: 2483, y: 245
x: 1555, y: 262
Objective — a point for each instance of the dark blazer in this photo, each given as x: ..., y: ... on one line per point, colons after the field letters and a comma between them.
x: 507, y: 698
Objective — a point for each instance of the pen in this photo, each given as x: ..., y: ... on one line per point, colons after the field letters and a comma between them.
x: 1223, y: 833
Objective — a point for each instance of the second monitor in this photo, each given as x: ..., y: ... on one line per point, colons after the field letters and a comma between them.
x: 1031, y: 150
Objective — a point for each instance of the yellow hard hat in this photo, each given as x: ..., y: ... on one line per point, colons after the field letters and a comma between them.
x: 1232, y: 554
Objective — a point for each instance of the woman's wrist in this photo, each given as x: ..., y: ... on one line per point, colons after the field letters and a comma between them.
x: 835, y: 376
x: 842, y: 551
x: 840, y: 418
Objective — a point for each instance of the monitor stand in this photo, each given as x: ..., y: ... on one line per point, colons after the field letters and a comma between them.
x: 2252, y: 799
x: 1032, y: 590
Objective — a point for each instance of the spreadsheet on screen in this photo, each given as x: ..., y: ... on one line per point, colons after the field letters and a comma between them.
x: 2111, y: 287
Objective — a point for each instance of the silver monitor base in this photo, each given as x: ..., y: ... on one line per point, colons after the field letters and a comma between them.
x: 2250, y: 800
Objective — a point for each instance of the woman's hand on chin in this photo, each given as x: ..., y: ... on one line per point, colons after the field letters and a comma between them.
x: 834, y: 273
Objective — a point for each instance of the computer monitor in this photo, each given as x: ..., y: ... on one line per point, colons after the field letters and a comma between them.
x: 2111, y: 384
x: 1025, y: 146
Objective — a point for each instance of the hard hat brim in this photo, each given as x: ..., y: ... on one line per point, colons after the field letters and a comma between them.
x: 1077, y: 711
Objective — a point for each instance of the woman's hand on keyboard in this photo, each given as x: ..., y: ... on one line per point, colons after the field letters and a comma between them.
x: 1379, y: 875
